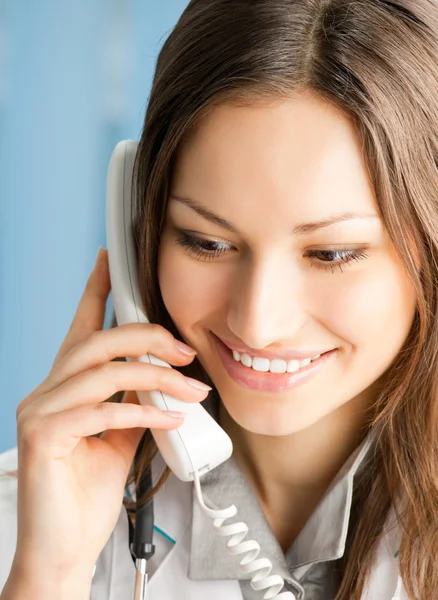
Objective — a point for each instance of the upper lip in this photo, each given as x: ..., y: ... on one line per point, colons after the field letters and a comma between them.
x: 283, y: 353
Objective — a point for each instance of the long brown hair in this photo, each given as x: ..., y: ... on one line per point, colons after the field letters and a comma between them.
x: 377, y: 61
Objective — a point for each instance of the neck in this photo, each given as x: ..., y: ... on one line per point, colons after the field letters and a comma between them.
x: 289, y: 474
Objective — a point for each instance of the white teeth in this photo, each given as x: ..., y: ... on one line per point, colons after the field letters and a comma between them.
x: 292, y: 366
x: 305, y: 362
x: 246, y: 360
x: 277, y: 365
x: 260, y: 364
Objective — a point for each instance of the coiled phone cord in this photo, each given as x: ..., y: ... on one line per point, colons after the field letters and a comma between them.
x: 260, y: 568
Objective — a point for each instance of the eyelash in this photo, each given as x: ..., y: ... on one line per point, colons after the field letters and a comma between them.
x: 204, y: 249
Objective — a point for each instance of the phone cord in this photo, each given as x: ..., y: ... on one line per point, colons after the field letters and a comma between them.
x: 249, y: 564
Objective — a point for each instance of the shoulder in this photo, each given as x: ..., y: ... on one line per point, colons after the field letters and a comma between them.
x: 8, y: 512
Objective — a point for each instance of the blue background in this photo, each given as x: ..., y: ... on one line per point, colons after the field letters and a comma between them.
x: 74, y: 80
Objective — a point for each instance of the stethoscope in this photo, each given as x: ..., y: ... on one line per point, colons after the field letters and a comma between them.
x: 141, y: 536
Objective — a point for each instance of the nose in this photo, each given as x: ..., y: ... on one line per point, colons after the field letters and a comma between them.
x: 266, y: 304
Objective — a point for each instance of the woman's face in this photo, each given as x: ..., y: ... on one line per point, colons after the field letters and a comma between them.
x: 273, y: 246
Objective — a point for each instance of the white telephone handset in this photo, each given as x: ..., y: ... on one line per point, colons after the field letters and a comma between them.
x: 200, y: 444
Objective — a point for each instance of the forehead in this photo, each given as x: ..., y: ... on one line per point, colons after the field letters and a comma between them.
x: 301, y: 156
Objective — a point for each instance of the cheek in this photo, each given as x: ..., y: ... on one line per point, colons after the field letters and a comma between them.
x: 372, y: 310
x: 188, y: 288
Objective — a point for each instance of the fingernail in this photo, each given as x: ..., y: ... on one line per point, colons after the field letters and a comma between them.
x: 184, y: 348
x: 198, y: 384
x: 174, y: 414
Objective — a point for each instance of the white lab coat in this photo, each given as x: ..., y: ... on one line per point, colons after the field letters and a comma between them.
x: 115, y: 571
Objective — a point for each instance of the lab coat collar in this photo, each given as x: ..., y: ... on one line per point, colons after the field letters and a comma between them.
x: 323, y: 537
x: 318, y: 542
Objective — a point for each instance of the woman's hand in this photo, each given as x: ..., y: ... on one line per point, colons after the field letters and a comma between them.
x: 70, y: 486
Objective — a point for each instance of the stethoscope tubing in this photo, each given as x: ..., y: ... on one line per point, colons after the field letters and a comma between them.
x: 142, y: 547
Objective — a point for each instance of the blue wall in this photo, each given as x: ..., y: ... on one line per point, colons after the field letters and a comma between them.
x: 74, y: 79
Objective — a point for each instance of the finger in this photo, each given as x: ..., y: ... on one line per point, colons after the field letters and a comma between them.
x: 98, y: 384
x: 125, y: 441
x: 133, y: 340
x: 63, y: 431
x: 90, y: 313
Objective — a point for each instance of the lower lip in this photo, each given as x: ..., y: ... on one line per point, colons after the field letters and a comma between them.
x: 267, y: 382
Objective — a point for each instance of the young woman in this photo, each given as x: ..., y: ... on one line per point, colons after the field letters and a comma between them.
x: 286, y: 228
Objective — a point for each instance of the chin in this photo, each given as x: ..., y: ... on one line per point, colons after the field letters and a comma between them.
x: 272, y: 422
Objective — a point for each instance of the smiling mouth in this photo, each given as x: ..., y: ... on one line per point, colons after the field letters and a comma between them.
x: 276, y: 365
x: 263, y: 379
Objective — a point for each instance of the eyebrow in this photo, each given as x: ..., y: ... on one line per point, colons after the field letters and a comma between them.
x: 304, y: 228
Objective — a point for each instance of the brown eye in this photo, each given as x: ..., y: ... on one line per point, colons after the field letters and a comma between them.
x: 330, y: 259
x: 201, y: 248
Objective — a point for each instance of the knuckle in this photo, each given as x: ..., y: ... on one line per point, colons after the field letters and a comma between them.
x: 150, y: 412
x: 23, y: 407
x: 107, y: 414
x: 160, y: 376
x: 107, y: 369
x: 166, y: 378
x: 81, y: 330
x: 159, y: 331
x: 30, y: 430
x: 20, y: 408
x: 156, y: 327
x: 94, y: 338
x: 110, y: 372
